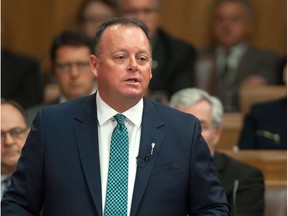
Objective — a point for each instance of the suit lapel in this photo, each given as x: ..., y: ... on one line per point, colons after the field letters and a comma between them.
x: 151, y: 122
x: 86, y: 133
x: 245, y: 65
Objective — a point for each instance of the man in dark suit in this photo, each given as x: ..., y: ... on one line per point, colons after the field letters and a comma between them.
x: 265, y: 126
x: 21, y: 79
x: 243, y: 184
x: 231, y: 61
x: 64, y: 164
x: 173, y: 59
x: 14, y: 131
x: 69, y: 54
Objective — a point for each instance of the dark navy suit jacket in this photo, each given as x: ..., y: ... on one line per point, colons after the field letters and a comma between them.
x: 265, y: 126
x: 21, y: 79
x: 243, y: 185
x: 59, y: 168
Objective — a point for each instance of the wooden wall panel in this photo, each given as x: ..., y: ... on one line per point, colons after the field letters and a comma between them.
x: 30, y: 25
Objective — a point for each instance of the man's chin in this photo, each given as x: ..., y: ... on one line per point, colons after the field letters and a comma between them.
x: 10, y: 160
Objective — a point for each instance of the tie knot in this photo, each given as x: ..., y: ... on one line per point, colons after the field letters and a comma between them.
x: 120, y: 119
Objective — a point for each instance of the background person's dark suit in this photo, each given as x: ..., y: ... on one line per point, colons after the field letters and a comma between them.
x: 20, y: 79
x: 265, y: 126
x: 31, y: 112
x: 248, y: 202
x: 173, y: 64
x: 253, y: 62
x: 63, y: 157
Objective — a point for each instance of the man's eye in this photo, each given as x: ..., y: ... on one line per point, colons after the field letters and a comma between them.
x: 120, y: 57
x: 142, y: 59
x: 15, y: 133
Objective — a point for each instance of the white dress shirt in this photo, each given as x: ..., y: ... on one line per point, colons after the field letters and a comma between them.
x: 106, y: 125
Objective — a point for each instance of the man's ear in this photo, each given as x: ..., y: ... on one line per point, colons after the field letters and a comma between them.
x: 217, y: 133
x: 93, y: 65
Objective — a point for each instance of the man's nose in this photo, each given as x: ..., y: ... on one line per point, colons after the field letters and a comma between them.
x: 7, y: 139
x: 74, y: 70
x: 132, y: 65
x: 141, y: 16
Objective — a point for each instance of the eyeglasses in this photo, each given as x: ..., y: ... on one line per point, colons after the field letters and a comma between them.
x: 15, y: 133
x: 67, y: 67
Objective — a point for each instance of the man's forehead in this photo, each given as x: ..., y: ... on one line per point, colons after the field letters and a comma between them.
x: 119, y: 30
x: 120, y: 27
x: 8, y: 122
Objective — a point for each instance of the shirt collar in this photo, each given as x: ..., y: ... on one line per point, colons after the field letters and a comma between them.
x: 239, y: 48
x: 105, y: 112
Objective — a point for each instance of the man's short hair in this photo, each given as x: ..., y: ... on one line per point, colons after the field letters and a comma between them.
x: 190, y: 96
x: 70, y: 38
x: 17, y: 106
x: 119, y: 21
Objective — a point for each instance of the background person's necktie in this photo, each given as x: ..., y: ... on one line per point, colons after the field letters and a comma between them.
x: 117, y: 185
x: 225, y: 74
x: 5, y: 183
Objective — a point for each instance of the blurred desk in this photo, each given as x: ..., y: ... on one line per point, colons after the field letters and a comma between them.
x: 273, y: 163
x: 250, y: 95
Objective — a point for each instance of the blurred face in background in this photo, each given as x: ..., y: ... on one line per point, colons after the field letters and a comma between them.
x: 14, y: 131
x: 146, y: 11
x: 72, y: 71
x: 93, y: 15
x: 203, y: 111
x: 231, y: 24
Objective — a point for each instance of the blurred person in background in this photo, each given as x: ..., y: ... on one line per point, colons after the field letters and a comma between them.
x: 173, y: 59
x: 265, y: 126
x: 21, y: 78
x: 92, y: 13
x: 70, y: 53
x: 14, y: 131
x: 231, y: 61
x: 243, y: 184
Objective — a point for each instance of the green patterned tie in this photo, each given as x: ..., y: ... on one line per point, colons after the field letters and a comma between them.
x: 117, y: 186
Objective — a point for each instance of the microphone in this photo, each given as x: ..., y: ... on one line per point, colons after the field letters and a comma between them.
x: 142, y: 160
x: 235, y: 188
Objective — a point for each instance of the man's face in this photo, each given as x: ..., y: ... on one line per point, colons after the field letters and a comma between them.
x: 231, y: 24
x: 203, y: 111
x: 123, y: 66
x: 94, y: 14
x: 146, y: 11
x: 14, y: 132
x: 72, y: 71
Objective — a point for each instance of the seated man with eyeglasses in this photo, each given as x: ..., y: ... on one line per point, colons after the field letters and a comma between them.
x: 70, y: 53
x: 14, y: 131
